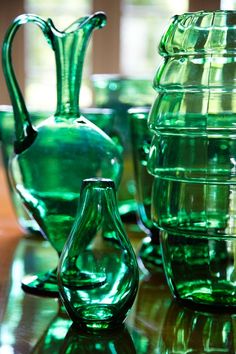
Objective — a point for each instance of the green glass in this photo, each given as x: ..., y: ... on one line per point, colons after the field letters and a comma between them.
x: 54, y: 336
x: 192, y: 157
x: 52, y: 159
x: 121, y: 93
x: 188, y: 331
x: 118, y: 341
x: 102, y: 117
x: 141, y: 140
x: 98, y: 272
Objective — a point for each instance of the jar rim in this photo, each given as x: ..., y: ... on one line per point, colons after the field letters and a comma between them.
x: 201, y: 32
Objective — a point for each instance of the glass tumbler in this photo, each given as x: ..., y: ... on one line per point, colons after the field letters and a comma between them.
x: 141, y: 140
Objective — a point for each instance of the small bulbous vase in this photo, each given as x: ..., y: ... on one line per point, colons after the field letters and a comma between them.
x: 98, y: 272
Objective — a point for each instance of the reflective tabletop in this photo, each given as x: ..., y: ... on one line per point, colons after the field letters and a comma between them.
x: 155, y: 324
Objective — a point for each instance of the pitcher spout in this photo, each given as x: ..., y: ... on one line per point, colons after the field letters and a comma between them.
x: 97, y: 20
x: 70, y: 48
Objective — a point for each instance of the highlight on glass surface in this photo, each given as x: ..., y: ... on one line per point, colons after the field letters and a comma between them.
x: 98, y: 272
x: 120, y: 93
x: 149, y: 253
x: 54, y: 157
x: 192, y: 157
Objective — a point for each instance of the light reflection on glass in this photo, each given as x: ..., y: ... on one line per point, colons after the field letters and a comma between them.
x: 24, y: 317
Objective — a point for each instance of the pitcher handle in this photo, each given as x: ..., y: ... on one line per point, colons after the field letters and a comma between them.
x: 24, y: 131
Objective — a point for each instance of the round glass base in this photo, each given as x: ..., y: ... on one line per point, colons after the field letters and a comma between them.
x: 150, y: 254
x: 44, y: 284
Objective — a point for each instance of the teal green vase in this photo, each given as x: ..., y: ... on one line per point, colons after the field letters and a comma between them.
x: 98, y: 272
x: 121, y: 93
x: 192, y: 157
x: 54, y: 157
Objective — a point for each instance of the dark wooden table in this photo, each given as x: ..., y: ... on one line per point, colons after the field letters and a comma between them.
x: 155, y: 324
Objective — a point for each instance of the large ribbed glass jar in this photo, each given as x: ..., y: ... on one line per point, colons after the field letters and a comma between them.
x: 193, y: 157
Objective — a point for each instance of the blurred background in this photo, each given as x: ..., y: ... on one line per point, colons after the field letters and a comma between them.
x: 127, y: 45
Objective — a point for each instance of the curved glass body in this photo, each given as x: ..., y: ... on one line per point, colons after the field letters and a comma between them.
x: 101, y: 117
x: 98, y: 272
x: 54, y: 157
x: 193, y: 156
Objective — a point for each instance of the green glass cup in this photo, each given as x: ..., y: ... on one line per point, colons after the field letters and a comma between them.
x: 121, y: 93
x: 102, y: 117
x: 141, y: 139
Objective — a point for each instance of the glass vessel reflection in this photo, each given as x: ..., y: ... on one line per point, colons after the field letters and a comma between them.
x: 118, y: 341
x: 148, y: 317
x: 189, y: 331
x: 54, y: 336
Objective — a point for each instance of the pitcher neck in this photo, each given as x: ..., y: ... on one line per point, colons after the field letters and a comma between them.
x: 69, y: 52
x: 70, y: 48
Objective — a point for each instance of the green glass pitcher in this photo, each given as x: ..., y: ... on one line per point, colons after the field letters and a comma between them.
x: 193, y: 157
x: 52, y: 159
